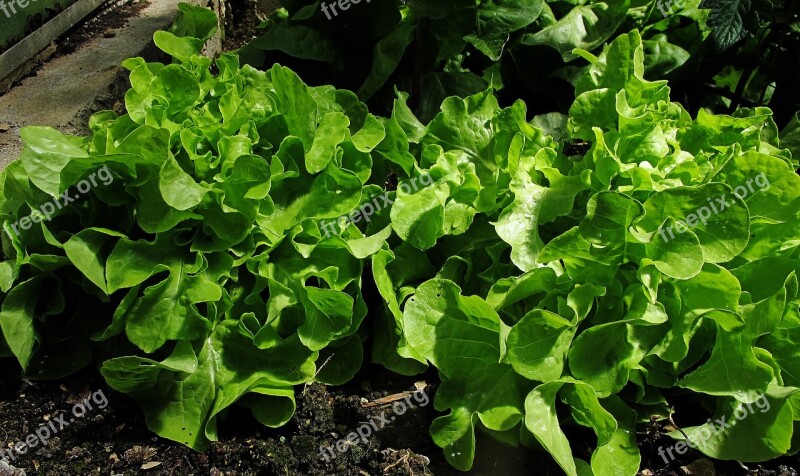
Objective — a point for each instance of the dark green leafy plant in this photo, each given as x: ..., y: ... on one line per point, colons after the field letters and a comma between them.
x: 433, y: 49
x: 587, y: 270
x: 717, y: 54
x: 730, y: 20
x: 746, y: 61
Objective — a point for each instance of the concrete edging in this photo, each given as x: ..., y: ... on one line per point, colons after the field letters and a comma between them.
x: 31, y: 45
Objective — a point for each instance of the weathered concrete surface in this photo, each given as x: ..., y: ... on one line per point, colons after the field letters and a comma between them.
x: 32, y: 44
x: 66, y: 89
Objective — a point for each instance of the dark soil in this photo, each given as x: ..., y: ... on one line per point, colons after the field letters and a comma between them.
x: 242, y: 18
x: 114, y: 440
x: 110, y: 16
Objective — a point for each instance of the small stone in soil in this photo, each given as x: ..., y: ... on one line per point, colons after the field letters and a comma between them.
x: 138, y: 454
x: 151, y: 465
x: 700, y: 467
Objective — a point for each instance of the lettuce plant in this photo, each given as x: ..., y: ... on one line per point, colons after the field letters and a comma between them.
x: 586, y: 270
x: 595, y: 289
x: 198, y: 276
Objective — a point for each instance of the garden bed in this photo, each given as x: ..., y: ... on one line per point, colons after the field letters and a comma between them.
x: 115, y: 440
x: 253, y: 272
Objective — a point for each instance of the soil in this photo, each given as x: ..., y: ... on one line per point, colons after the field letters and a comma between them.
x: 110, y: 16
x: 242, y: 18
x: 114, y: 440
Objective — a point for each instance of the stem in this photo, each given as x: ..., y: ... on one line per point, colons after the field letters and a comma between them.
x: 419, y: 62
